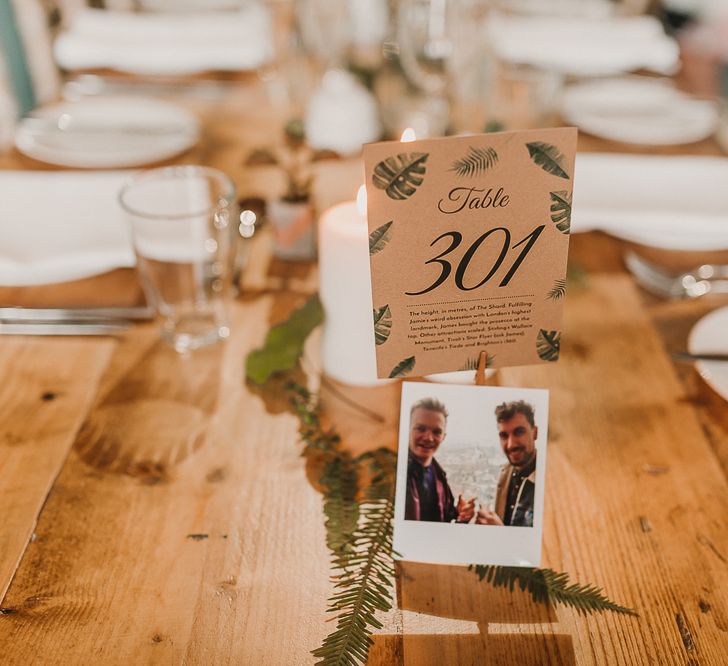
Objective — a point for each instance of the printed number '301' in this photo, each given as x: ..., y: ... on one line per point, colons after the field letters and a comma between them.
x: 457, y: 238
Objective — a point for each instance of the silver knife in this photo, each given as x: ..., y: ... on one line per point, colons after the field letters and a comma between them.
x: 61, y: 329
x: 60, y: 315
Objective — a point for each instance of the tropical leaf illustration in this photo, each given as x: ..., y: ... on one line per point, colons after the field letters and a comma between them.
x: 403, y: 367
x: 382, y: 324
x: 561, y: 210
x: 400, y: 175
x: 380, y: 237
x: 548, y: 158
x: 548, y: 345
x: 472, y: 363
x: 558, y: 291
x: 475, y: 162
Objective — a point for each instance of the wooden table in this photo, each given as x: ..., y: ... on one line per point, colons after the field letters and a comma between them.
x: 156, y: 510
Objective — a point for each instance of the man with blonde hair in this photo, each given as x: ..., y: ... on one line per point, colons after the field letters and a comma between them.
x: 428, y: 493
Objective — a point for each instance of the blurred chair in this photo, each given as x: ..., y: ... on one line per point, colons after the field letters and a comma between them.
x: 28, y: 75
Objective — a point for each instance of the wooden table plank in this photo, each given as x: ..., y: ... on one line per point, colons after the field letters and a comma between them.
x: 112, y: 585
x: 212, y: 550
x: 622, y: 488
x: 46, y: 390
x: 636, y: 499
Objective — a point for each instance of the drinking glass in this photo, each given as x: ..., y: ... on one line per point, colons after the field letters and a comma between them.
x: 441, y: 46
x: 524, y: 97
x: 182, y: 223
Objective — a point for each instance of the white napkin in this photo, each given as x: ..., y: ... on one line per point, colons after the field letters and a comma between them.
x: 584, y: 46
x: 58, y: 226
x: 167, y: 43
x: 669, y: 202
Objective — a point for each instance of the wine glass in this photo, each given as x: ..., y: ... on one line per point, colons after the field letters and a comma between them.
x: 441, y: 50
x: 324, y: 30
x: 424, y: 43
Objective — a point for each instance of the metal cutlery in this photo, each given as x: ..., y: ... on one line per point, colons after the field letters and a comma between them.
x: 70, y: 321
x: 111, y: 315
x: 699, y: 281
x: 53, y: 328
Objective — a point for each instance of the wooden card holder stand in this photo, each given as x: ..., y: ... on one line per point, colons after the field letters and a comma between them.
x: 480, y: 372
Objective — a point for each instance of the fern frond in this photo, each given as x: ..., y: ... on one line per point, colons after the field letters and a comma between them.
x: 340, y: 481
x: 547, y: 586
x: 475, y: 162
x: 364, y: 577
x: 306, y: 407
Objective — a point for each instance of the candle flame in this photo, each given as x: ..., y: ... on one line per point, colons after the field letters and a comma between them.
x: 408, y: 135
x: 361, y: 201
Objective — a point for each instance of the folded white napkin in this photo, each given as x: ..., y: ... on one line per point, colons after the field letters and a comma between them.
x: 670, y: 202
x: 151, y: 43
x: 58, y: 226
x: 584, y: 46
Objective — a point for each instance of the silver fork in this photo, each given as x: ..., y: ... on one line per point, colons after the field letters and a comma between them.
x: 698, y: 281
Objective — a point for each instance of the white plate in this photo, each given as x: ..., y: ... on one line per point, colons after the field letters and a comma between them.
x: 639, y: 110
x: 107, y: 132
x: 710, y: 334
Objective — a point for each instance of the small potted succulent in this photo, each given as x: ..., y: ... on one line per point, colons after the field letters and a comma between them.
x: 292, y: 215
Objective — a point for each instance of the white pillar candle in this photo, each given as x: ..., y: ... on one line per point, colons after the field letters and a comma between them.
x: 347, y: 352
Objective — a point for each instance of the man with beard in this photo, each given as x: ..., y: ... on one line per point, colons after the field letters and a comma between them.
x: 428, y: 493
x: 517, y: 483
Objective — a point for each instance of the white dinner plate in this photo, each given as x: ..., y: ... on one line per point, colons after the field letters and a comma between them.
x: 107, y: 132
x: 710, y: 335
x: 639, y: 110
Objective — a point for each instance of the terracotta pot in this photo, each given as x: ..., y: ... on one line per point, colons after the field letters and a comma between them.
x: 294, y: 229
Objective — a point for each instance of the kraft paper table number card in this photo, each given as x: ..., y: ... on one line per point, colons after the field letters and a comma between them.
x: 468, y: 246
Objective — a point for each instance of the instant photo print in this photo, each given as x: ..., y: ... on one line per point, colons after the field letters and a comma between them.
x: 470, y: 474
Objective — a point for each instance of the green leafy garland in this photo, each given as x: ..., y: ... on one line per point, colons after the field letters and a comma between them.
x: 359, y: 525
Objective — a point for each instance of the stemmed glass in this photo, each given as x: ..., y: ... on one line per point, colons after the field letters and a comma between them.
x: 334, y: 32
x: 441, y: 49
x: 324, y: 30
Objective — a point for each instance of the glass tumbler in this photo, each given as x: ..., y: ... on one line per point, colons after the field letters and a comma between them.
x: 182, y: 223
